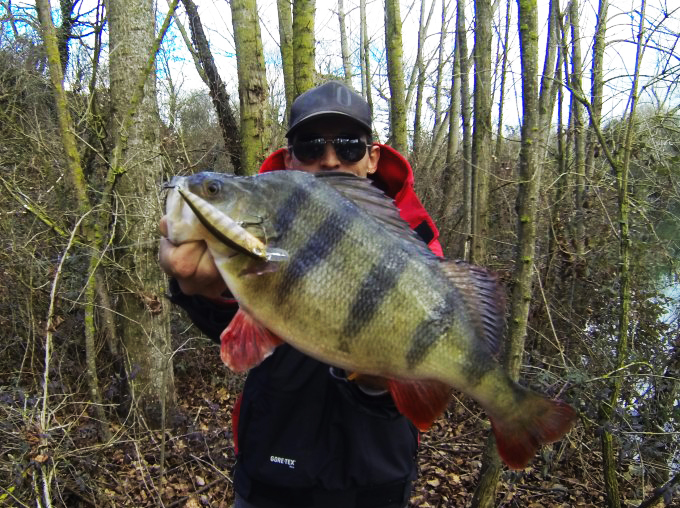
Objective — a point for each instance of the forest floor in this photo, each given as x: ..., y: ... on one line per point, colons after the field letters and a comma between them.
x: 199, y: 457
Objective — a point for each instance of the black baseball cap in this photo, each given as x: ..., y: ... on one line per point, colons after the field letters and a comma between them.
x: 331, y: 98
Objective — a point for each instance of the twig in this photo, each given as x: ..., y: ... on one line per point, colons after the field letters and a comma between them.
x: 40, y: 214
x: 48, y: 353
x: 663, y: 491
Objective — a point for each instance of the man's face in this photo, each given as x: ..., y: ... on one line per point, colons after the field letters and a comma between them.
x: 324, y: 157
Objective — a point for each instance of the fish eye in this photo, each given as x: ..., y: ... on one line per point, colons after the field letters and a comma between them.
x: 213, y: 187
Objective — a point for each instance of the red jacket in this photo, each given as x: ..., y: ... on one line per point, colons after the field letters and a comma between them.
x: 395, y: 177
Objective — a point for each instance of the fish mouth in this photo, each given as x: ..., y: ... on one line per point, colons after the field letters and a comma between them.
x: 175, y: 182
x: 170, y: 187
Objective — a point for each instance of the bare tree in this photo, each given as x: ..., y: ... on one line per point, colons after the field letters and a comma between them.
x: 286, y: 44
x: 137, y: 170
x: 466, y: 113
x: 622, y: 168
x: 438, y: 89
x: 87, y: 218
x: 420, y: 70
x: 344, y: 46
x: 503, y: 57
x: 365, y: 50
x: 481, y: 134
x: 575, y: 82
x: 395, y: 75
x: 218, y: 91
x: 596, y: 82
x: 65, y: 31
x: 303, y: 44
x: 252, y: 84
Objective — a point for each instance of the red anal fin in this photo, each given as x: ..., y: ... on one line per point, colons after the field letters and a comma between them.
x: 420, y: 401
x: 539, y: 421
x: 245, y: 343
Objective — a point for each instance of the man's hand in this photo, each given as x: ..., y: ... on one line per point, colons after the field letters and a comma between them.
x: 191, y: 264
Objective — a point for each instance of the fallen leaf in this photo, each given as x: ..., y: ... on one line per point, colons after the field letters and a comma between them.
x: 192, y: 503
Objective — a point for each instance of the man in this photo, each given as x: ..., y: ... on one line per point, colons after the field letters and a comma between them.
x: 306, y: 435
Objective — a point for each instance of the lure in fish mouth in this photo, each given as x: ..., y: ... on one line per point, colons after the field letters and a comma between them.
x: 326, y: 264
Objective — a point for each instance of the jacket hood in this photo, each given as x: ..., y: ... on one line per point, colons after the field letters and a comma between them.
x: 394, y: 176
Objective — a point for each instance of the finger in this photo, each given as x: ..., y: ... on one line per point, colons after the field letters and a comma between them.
x: 180, y: 260
x: 163, y: 225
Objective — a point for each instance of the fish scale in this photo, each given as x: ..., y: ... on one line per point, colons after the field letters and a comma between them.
x: 345, y: 280
x: 309, y: 268
x: 310, y: 263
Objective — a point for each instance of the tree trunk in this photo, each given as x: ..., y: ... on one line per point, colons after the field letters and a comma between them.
x: 286, y: 43
x: 466, y: 112
x: 137, y: 168
x: 607, y: 409
x: 527, y: 206
x: 487, y: 485
x: 365, y: 57
x: 596, y: 82
x: 453, y: 141
x: 90, y: 295
x: 440, y: 66
x: 89, y: 227
x: 395, y: 76
x: 449, y: 175
x: 64, y: 32
x: 575, y: 82
x: 303, y: 45
x: 621, y: 168
x: 252, y: 85
x: 420, y: 69
x: 501, y: 98
x: 218, y: 91
x: 481, y: 134
x: 550, y: 86
x: 344, y: 46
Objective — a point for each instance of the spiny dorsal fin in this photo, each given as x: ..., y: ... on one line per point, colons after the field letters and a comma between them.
x: 484, y: 299
x: 373, y: 201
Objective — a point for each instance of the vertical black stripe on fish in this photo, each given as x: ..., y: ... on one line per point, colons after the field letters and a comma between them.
x: 321, y: 243
x: 289, y: 210
x: 381, y: 278
x: 428, y: 331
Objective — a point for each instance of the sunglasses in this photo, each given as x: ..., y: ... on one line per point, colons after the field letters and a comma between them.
x: 348, y: 150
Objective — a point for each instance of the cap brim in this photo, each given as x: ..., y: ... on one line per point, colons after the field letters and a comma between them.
x: 318, y: 114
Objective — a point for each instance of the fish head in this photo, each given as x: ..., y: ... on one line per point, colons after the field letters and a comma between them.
x: 221, y: 209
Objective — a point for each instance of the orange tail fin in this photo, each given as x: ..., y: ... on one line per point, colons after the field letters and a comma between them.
x: 539, y: 421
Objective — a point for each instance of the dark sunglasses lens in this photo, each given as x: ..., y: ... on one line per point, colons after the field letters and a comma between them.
x: 309, y: 150
x: 350, y: 149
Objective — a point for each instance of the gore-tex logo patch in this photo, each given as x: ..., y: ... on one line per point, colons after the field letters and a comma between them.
x: 282, y: 460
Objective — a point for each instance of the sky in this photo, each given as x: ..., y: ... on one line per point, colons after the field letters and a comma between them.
x: 620, y: 55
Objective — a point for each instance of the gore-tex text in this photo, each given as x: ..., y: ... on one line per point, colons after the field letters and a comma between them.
x: 282, y: 460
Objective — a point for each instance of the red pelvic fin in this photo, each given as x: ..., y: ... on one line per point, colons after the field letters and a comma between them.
x: 420, y: 401
x: 539, y: 421
x: 245, y: 343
